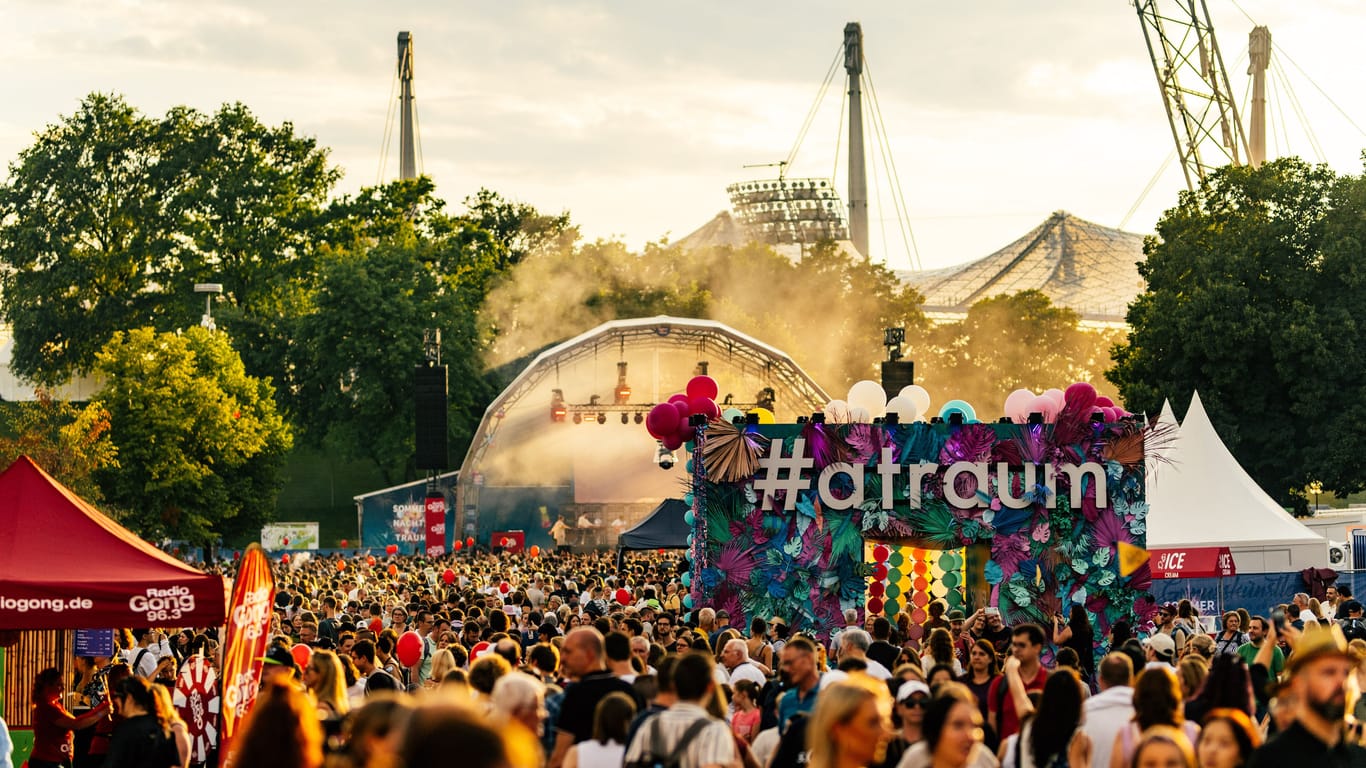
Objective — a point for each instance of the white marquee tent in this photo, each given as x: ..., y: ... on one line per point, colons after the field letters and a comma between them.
x: 1201, y: 497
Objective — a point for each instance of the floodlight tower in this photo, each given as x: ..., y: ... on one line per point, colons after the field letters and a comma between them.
x: 407, y: 136
x: 858, y: 179
x: 1259, y: 58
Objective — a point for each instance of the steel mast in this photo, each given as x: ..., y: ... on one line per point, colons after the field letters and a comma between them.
x: 858, y: 179
x: 407, y: 143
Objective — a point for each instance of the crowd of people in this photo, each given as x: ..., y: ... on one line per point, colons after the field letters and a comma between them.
x: 579, y: 661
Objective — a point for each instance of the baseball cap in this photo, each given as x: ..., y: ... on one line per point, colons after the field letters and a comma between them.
x: 279, y: 656
x: 956, y: 615
x: 1351, y: 606
x: 910, y: 687
x: 1162, y: 645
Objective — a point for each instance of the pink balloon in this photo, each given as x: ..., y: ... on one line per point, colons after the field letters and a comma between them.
x: 1045, y: 405
x: 678, y: 398
x: 703, y: 386
x: 672, y: 443
x: 1017, y: 405
x: 1057, y: 396
x: 704, y: 406
x: 684, y: 410
x: 1111, y: 414
x: 1080, y: 396
x: 663, y: 420
x: 1103, y: 402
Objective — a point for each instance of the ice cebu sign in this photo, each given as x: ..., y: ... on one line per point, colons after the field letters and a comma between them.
x: 780, y: 473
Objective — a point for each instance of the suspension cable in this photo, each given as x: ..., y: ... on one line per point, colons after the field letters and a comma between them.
x: 898, y: 194
x: 815, y: 106
x: 388, y: 131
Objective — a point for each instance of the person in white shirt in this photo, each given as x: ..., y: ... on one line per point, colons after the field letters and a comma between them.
x: 735, y: 657
x: 142, y: 658
x: 854, y: 644
x: 710, y: 743
x: 1111, y: 710
x: 1161, y: 651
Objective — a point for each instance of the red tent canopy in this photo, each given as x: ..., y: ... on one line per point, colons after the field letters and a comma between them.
x: 64, y: 565
x: 1191, y: 563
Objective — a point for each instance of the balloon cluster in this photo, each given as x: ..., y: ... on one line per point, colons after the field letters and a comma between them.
x: 867, y: 401
x: 1080, y: 397
x: 669, y: 422
x: 878, y: 588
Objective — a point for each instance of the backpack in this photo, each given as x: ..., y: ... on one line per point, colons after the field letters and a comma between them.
x: 657, y: 758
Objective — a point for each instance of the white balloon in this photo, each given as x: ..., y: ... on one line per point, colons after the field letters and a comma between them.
x: 1017, y: 405
x: 869, y: 395
x: 918, y: 395
x: 1057, y: 396
x: 904, y: 408
x: 860, y: 415
x: 837, y: 412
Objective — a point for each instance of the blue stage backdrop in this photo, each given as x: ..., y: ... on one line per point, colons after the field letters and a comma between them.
x: 1257, y: 592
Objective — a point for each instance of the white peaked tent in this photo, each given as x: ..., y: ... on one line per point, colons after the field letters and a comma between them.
x: 1201, y: 497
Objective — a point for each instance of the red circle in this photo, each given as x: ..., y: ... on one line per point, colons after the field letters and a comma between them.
x: 921, y: 600
x: 370, y: 560
x: 875, y: 605
x: 880, y: 571
x: 877, y: 589
x: 918, y: 617
x: 920, y: 584
x: 881, y: 553
x: 921, y: 567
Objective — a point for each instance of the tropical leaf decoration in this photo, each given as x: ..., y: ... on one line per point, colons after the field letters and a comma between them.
x: 922, y: 445
x: 825, y: 445
x: 973, y: 442
x: 1031, y: 442
x: 866, y: 442
x: 731, y: 454
x: 935, y: 523
x: 736, y: 563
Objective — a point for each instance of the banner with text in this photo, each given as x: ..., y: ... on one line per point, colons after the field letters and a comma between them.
x: 435, y: 508
x: 248, y: 633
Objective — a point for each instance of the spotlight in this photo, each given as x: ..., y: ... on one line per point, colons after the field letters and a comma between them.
x: 640, y: 418
x: 956, y: 418
x: 818, y: 418
x: 578, y: 418
x: 602, y: 418
x: 664, y: 457
x: 891, y: 419
x: 626, y: 418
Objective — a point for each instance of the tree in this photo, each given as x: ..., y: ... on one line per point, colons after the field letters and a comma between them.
x: 1010, y: 342
x: 1254, y: 284
x: 68, y: 442
x: 200, y: 442
x: 110, y: 217
x: 357, y: 349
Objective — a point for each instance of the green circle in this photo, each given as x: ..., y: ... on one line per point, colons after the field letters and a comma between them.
x: 893, y: 590
x: 896, y: 559
x: 949, y: 561
x: 950, y: 580
x: 955, y: 599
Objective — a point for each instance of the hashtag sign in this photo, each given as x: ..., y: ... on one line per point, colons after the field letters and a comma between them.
x: 771, y: 480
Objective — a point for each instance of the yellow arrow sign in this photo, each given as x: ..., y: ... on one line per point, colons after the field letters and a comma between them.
x: 1131, y: 558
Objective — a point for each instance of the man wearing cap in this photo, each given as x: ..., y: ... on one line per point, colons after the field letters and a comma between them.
x: 1353, y: 625
x: 1256, y: 635
x: 1318, y: 675
x: 722, y: 624
x: 1160, y: 651
x: 278, y: 664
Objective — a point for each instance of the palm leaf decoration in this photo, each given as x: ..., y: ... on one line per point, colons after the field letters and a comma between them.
x: 934, y: 522
x: 730, y: 454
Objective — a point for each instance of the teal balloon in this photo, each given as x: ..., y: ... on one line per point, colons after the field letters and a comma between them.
x: 687, y: 617
x: 689, y: 466
x: 687, y: 579
x: 731, y: 414
x: 688, y: 554
x: 687, y: 602
x: 689, y: 518
x: 687, y: 498
x: 959, y: 406
x: 690, y: 539
x: 691, y: 445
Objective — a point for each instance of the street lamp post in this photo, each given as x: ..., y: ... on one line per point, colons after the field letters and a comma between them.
x: 208, y: 289
x: 1316, y: 488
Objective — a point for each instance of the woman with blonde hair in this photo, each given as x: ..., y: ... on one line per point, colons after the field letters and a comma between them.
x: 166, y: 712
x: 1163, y: 746
x: 326, y: 682
x: 443, y: 661
x: 851, y: 724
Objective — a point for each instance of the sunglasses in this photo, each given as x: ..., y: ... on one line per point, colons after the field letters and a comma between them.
x: 913, y: 702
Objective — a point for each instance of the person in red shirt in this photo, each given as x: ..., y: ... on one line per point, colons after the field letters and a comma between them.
x: 53, y: 725
x: 1026, y: 643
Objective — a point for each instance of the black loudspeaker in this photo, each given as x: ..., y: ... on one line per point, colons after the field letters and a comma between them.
x: 896, y: 376
x: 429, y: 409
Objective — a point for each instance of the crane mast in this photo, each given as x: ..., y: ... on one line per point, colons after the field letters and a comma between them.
x: 1194, y: 85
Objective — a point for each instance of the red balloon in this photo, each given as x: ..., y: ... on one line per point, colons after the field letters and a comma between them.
x: 877, y: 589
x: 409, y: 649
x: 458, y: 545
x: 341, y: 565
x: 704, y: 406
x: 479, y: 649
x: 469, y: 542
x: 662, y: 420
x: 237, y: 555
x: 1104, y: 402
x: 393, y: 570
x: 684, y: 411
x: 678, y: 398
x: 703, y: 386
x: 505, y: 587
x: 881, y: 553
x: 880, y: 571
x: 535, y: 551
x: 672, y: 443
x: 875, y: 605
x: 284, y: 558
x: 285, y: 540
x: 448, y: 576
x: 1080, y: 397
x: 392, y: 549
x: 623, y: 597
x: 301, y: 654
x: 370, y: 561
x: 344, y: 543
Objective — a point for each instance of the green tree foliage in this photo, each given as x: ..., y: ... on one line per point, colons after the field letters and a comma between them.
x: 200, y: 443
x: 357, y: 348
x: 68, y: 442
x: 1254, y: 287
x: 1010, y: 342
x: 110, y: 217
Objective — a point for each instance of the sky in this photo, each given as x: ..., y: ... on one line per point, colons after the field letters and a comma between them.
x: 635, y: 115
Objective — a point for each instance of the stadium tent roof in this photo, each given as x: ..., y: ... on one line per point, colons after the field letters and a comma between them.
x: 664, y: 528
x: 1201, y: 497
x: 1078, y: 264
x: 64, y: 565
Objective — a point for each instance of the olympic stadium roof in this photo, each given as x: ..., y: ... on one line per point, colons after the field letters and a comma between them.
x: 1081, y: 265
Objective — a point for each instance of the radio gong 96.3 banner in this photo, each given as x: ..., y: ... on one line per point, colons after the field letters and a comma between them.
x: 248, y: 633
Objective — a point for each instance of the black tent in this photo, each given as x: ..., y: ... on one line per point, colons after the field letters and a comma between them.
x: 663, y: 528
